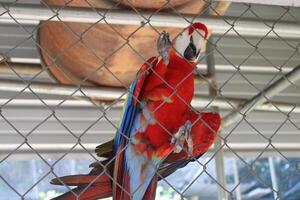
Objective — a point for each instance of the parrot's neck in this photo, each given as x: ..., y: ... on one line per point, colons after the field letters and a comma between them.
x: 175, y: 57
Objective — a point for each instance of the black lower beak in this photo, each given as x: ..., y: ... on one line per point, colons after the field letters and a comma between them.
x: 190, y: 52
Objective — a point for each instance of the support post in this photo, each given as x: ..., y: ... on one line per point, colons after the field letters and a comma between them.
x: 236, y: 179
x: 273, y: 178
x: 219, y: 157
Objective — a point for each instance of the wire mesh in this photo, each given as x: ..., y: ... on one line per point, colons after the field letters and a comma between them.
x: 218, y: 90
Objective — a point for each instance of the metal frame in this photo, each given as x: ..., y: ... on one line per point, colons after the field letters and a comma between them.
x: 273, y: 178
x: 266, y: 94
x: 107, y: 93
x: 236, y: 179
x: 32, y: 14
x: 34, y: 62
x: 294, y: 3
x: 213, y: 92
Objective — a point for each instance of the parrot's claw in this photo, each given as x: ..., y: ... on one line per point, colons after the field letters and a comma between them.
x: 181, y: 136
x: 189, y: 140
x: 177, y: 140
x: 163, y: 46
x: 190, y: 146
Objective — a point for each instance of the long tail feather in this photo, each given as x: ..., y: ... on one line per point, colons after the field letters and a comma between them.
x: 105, y: 149
x: 90, y: 193
x: 118, y: 173
x: 151, y: 190
x: 81, y: 179
x: 125, y: 191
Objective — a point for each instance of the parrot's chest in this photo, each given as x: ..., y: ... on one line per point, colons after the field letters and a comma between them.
x: 168, y: 114
x: 182, y: 91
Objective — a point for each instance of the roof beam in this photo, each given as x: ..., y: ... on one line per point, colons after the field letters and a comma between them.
x: 293, y: 3
x: 26, y: 13
x: 263, y: 96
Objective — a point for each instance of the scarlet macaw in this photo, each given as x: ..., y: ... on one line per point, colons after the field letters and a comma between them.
x: 156, y: 111
x: 97, y: 184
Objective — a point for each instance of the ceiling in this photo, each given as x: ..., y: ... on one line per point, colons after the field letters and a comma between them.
x: 54, y: 131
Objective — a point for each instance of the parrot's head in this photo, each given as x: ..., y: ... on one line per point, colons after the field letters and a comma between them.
x: 188, y: 43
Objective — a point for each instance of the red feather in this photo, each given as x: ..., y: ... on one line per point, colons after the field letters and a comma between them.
x: 204, y: 132
x: 199, y: 26
x: 179, y: 76
x: 142, y: 74
x: 87, y: 193
x: 151, y: 190
x: 81, y: 179
x: 167, y: 92
x: 119, y: 172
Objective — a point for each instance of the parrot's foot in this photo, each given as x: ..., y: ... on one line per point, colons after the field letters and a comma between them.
x: 163, y: 46
x: 182, y: 136
x: 188, y: 138
x: 178, y: 140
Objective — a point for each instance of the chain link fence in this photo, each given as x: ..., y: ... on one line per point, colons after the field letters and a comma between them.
x: 248, y: 71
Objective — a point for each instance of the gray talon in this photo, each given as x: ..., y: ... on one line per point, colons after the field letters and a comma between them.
x: 163, y: 46
x: 178, y: 139
x: 181, y: 136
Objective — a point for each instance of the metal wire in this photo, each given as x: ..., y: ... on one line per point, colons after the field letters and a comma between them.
x: 238, y: 26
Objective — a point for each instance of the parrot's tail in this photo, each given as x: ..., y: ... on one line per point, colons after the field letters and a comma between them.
x: 151, y: 190
x: 90, y: 187
x: 81, y: 179
x: 87, y: 193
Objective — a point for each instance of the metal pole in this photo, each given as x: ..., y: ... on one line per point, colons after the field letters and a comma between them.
x: 221, y: 68
x: 20, y: 68
x: 279, y: 85
x: 24, y: 13
x: 106, y: 93
x: 291, y: 149
x: 31, y: 69
x: 273, y: 178
x: 236, y: 179
x: 198, y: 102
x: 219, y: 157
x: 294, y: 3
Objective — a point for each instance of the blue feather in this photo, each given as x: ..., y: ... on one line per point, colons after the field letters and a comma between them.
x: 129, y: 112
x: 133, y: 163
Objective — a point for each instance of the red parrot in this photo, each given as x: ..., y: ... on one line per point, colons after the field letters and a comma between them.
x: 98, y: 183
x: 156, y: 126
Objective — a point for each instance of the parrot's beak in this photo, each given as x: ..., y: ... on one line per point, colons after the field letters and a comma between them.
x: 191, y: 53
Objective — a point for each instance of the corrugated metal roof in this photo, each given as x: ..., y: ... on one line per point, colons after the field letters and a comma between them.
x: 16, y: 41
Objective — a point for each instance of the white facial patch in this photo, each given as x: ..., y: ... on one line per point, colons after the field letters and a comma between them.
x: 182, y: 42
x: 198, y: 38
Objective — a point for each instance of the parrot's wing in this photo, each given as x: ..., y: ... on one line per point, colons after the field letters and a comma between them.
x: 203, y: 131
x: 131, y: 106
x: 143, y: 73
x: 131, y: 103
x: 106, y: 149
